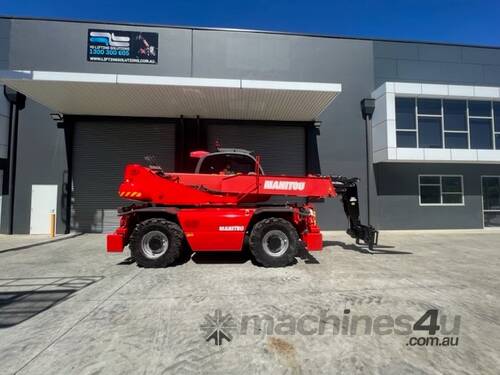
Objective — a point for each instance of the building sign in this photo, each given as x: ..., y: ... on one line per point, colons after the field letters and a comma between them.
x: 122, y: 46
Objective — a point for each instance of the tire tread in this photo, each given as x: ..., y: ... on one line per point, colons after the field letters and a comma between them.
x: 175, y: 241
x: 258, y: 231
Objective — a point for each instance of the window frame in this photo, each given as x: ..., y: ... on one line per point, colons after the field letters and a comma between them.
x: 492, y: 123
x: 415, y: 115
x: 415, y: 131
x: 441, y: 129
x: 467, y: 126
x: 431, y: 116
x: 441, y: 203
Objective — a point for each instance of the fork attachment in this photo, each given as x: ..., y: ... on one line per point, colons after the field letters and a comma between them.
x: 348, y: 189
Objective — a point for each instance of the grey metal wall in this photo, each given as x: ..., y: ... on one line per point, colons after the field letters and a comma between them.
x: 4, y: 43
x: 101, y: 151
x: 62, y: 46
x: 396, y: 195
x: 397, y: 186
x: 41, y: 159
x: 274, y: 143
x: 4, y: 124
x: 4, y: 116
x: 420, y: 62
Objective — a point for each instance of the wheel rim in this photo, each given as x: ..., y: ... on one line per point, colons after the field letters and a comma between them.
x: 154, y: 244
x: 275, y: 243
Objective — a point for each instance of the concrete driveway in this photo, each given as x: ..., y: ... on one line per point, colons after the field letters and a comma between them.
x: 69, y: 308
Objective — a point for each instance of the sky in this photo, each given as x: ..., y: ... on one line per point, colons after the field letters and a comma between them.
x: 453, y: 21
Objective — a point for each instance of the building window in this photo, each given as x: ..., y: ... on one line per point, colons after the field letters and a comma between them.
x: 496, y: 120
x: 406, y: 130
x: 455, y: 124
x: 480, y: 134
x: 441, y: 190
x: 429, y: 119
x: 480, y: 125
x: 447, y: 123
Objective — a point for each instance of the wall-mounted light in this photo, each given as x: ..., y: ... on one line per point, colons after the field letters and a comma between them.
x: 367, y: 108
x: 15, y: 97
x: 57, y: 117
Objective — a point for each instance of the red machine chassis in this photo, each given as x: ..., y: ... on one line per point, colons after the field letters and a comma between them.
x: 221, y: 228
x: 216, y: 211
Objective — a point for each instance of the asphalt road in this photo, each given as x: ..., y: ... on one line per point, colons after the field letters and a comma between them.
x: 67, y: 307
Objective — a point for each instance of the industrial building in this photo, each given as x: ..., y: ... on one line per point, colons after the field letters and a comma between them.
x: 82, y: 99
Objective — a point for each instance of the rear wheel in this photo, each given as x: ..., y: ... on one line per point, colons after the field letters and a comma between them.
x: 156, y: 243
x: 274, y: 242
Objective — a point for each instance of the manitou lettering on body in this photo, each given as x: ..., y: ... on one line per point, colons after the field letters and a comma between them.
x: 232, y: 228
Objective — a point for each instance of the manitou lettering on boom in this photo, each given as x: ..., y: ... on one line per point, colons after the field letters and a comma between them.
x: 284, y: 185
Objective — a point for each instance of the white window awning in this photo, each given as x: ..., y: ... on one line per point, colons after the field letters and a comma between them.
x: 160, y: 96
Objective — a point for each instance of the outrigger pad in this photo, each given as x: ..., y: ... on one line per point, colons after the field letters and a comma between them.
x: 365, y: 233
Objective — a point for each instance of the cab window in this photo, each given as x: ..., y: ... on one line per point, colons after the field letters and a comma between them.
x: 227, y: 164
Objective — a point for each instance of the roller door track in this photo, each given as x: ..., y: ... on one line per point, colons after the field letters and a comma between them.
x: 101, y: 151
x: 281, y: 147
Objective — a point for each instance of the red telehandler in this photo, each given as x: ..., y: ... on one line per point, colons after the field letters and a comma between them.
x: 227, y: 199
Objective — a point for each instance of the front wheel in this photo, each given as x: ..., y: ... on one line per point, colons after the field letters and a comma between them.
x: 274, y: 242
x: 156, y: 243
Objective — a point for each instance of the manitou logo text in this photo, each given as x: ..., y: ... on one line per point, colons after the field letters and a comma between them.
x: 232, y: 228
x: 284, y: 185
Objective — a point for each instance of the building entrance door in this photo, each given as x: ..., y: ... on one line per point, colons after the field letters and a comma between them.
x: 43, y: 203
x: 491, y: 200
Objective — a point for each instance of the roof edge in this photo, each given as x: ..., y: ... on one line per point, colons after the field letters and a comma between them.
x: 257, y: 31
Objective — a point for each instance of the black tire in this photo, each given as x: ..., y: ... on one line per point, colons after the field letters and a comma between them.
x: 266, y: 249
x: 150, y: 234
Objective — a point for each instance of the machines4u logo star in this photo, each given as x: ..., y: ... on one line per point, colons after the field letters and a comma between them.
x: 218, y: 327
x: 109, y: 39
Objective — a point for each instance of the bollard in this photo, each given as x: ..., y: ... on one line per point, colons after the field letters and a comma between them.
x: 52, y: 225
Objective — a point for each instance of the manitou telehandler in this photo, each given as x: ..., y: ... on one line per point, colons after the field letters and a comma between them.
x: 227, y: 199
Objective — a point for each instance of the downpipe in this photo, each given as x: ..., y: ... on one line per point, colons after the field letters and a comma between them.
x: 17, y: 102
